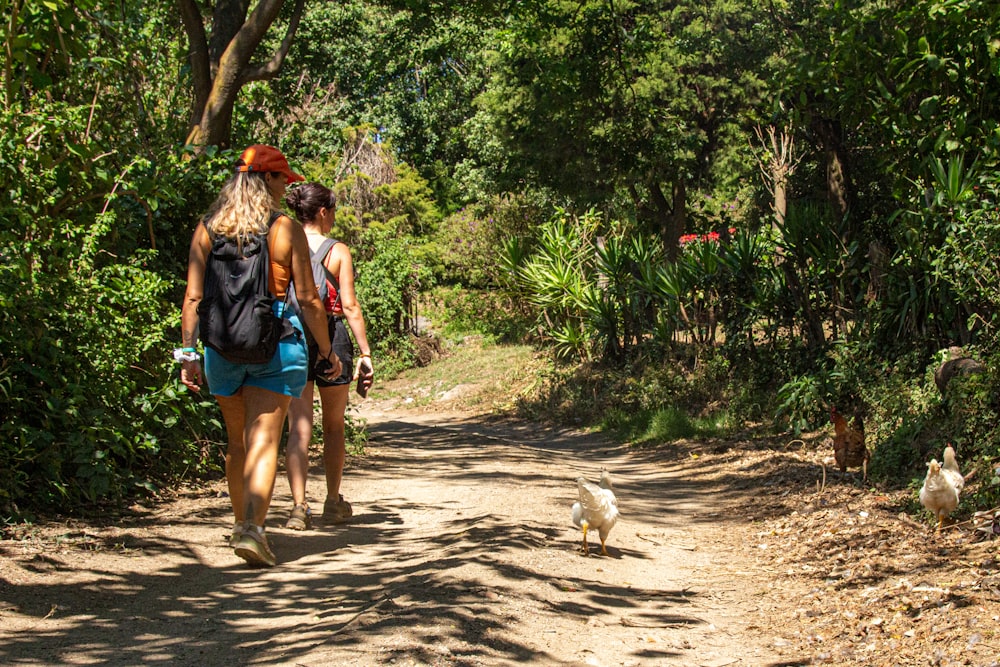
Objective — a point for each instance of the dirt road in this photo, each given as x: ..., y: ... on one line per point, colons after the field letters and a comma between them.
x: 749, y: 551
x: 461, y: 553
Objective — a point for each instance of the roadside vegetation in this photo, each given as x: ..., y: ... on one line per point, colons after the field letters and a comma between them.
x: 700, y: 221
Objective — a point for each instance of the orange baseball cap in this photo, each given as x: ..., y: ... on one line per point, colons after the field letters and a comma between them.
x: 264, y: 158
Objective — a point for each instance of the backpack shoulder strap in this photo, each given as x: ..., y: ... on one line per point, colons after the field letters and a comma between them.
x: 324, y: 249
x: 320, y: 256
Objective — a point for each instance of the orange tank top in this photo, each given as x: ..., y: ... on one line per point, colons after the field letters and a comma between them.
x: 278, y: 281
x: 280, y: 275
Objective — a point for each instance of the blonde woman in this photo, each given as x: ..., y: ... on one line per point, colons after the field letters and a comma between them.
x: 314, y: 205
x: 254, y: 398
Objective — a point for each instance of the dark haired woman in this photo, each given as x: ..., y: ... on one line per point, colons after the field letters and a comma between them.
x: 314, y: 206
x: 254, y: 398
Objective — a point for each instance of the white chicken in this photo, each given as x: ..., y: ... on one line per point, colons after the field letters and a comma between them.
x: 596, y: 509
x: 942, y: 486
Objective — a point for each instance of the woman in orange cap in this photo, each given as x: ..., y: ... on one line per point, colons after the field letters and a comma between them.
x: 254, y: 398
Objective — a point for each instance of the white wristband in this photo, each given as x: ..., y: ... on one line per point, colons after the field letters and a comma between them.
x: 181, y: 355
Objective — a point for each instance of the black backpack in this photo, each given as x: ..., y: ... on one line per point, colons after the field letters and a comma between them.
x: 235, y: 314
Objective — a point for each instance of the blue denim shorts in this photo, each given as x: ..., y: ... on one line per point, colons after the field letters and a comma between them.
x: 286, y: 373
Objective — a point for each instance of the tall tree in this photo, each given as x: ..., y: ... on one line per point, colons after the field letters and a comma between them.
x: 221, y: 63
x: 597, y: 99
x: 934, y: 92
x: 411, y: 70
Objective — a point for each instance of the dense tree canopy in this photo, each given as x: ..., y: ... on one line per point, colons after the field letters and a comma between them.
x: 596, y: 99
x: 607, y: 171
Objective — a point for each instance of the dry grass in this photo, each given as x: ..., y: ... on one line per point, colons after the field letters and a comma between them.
x: 469, y: 376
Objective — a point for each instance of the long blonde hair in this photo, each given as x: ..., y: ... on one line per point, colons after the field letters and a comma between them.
x: 242, y: 209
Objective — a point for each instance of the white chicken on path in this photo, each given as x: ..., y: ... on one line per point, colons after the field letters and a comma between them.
x: 596, y: 509
x: 942, y: 486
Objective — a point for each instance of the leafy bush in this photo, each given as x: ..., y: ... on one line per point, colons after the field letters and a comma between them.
x: 469, y: 248
x: 389, y: 280
x: 95, y: 414
x: 355, y: 434
x: 89, y: 259
x: 489, y: 313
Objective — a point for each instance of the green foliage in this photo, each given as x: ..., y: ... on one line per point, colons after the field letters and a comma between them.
x: 492, y: 314
x: 355, y: 434
x: 935, y: 88
x: 96, y: 414
x: 602, y: 101
x: 558, y: 279
x: 389, y: 280
x: 406, y: 204
x: 801, y: 401
x: 410, y: 71
x: 469, y: 248
x: 968, y: 417
x: 663, y: 426
x: 88, y: 237
x: 747, y: 290
x: 605, y: 291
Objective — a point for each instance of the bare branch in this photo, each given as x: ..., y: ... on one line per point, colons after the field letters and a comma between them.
x: 779, y: 166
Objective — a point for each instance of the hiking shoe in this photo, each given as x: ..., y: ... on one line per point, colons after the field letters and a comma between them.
x: 337, y: 511
x: 300, y: 518
x: 237, y: 533
x: 253, y: 548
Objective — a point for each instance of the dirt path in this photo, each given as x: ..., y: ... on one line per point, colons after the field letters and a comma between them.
x: 461, y: 553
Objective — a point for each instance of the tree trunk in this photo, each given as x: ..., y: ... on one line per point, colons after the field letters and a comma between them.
x: 780, y: 197
x: 670, y: 218
x: 838, y: 182
x: 221, y: 66
x: 659, y: 216
x: 678, y: 216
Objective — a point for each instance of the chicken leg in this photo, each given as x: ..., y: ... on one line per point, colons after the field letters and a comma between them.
x: 586, y: 549
x: 604, y: 549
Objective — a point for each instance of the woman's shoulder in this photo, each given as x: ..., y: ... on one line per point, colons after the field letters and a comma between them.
x: 281, y: 219
x: 341, y: 248
x: 282, y: 238
x: 282, y: 226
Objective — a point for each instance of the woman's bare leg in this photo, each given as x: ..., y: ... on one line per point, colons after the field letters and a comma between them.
x: 334, y: 402
x: 234, y: 417
x: 265, y: 418
x: 300, y: 426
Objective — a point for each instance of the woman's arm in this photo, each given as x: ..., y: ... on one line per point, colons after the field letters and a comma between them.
x: 201, y: 245
x: 348, y: 297
x: 313, y: 313
x: 341, y: 264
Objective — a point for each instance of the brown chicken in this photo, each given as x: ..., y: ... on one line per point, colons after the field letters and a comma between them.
x: 849, y: 447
